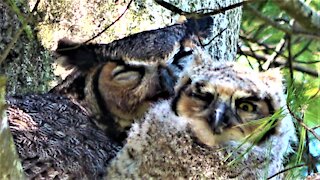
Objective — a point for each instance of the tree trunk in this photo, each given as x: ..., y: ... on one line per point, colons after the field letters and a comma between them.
x: 10, y: 166
x: 23, y: 60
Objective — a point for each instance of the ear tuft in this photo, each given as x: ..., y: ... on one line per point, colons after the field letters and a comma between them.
x: 76, y: 55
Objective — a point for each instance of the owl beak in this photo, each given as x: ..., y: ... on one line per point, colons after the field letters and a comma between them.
x: 218, y: 118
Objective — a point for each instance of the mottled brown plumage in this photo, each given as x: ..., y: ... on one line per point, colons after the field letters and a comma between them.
x: 157, y: 45
x: 213, y: 120
x: 117, y: 81
x: 56, y: 139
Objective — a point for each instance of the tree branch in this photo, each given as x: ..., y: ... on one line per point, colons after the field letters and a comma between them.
x: 300, y: 121
x: 281, y: 62
x: 106, y: 28
x: 302, y: 13
x: 279, y: 26
x: 199, y: 13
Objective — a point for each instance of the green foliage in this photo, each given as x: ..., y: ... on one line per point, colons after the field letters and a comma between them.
x: 303, y: 89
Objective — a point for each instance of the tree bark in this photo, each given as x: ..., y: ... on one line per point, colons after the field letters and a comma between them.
x: 23, y: 60
x: 10, y: 165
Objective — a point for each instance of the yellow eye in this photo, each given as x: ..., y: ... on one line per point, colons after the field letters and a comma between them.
x: 248, y: 107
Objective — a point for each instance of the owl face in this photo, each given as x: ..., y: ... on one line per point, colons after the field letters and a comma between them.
x: 122, y: 92
x: 222, y: 105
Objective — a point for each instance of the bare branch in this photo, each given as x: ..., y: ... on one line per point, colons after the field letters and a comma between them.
x: 282, y: 62
x: 300, y: 121
x: 316, y: 127
x: 170, y: 7
x: 106, y: 28
x: 302, y: 13
x: 303, y: 49
x: 199, y: 13
x: 275, y: 54
x: 277, y: 25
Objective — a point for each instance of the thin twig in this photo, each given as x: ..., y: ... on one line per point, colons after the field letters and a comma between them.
x: 255, y: 56
x: 316, y: 127
x: 307, y: 62
x: 285, y: 170
x: 219, y: 34
x: 282, y: 62
x: 106, y: 28
x: 199, y: 13
x: 242, y: 53
x: 300, y: 121
x: 265, y: 46
x: 288, y: 37
x: 277, y: 25
x: 303, y: 49
x: 275, y: 54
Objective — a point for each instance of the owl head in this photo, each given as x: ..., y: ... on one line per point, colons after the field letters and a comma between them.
x: 226, y: 102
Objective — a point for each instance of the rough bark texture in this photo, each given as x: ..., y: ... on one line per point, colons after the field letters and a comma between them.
x: 24, y: 61
x: 10, y: 167
x: 224, y: 46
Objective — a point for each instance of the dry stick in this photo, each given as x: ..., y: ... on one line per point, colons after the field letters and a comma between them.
x: 300, y: 121
x: 17, y: 34
x: 128, y: 6
x: 274, y: 55
x: 287, y: 169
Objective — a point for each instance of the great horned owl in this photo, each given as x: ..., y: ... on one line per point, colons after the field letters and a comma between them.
x: 203, y: 132
x: 56, y: 139
x: 117, y: 81
x: 55, y: 135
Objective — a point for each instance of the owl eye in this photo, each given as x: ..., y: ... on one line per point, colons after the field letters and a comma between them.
x: 207, y: 97
x: 247, y: 106
x: 124, y: 75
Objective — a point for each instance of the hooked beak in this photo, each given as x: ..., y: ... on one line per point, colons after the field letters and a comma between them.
x: 217, y: 120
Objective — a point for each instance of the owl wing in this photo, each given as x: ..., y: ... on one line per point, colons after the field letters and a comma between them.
x: 56, y: 139
x: 150, y: 46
